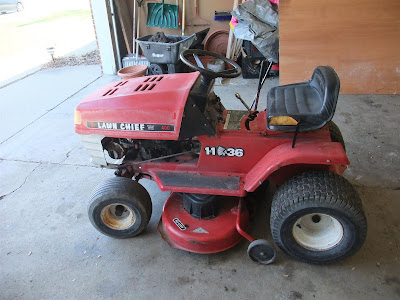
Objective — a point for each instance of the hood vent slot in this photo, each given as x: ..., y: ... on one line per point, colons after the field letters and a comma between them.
x: 145, y: 87
x: 155, y: 78
x: 110, y: 92
x: 121, y: 83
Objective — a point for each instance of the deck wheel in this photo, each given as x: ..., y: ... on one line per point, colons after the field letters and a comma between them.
x: 262, y: 252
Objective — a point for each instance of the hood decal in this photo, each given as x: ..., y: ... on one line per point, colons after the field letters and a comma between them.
x: 130, y: 126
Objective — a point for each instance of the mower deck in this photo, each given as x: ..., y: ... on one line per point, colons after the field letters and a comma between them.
x: 182, y: 231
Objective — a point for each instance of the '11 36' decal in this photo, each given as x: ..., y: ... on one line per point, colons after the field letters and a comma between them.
x: 223, y: 152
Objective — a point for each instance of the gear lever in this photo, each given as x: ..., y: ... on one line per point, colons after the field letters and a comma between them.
x: 237, y: 95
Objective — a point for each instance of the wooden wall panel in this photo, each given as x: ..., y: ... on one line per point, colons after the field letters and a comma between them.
x: 360, y: 39
x: 125, y: 18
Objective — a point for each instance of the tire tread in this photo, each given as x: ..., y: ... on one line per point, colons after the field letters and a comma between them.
x: 336, y: 134
x: 324, y: 188
x: 129, y: 189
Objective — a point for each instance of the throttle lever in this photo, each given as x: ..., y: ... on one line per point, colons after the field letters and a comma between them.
x: 237, y: 95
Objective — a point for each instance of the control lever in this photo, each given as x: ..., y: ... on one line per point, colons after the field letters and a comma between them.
x: 252, y: 114
x: 237, y: 95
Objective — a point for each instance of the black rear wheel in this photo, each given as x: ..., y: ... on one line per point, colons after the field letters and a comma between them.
x: 317, y: 217
x: 120, y: 208
x: 157, y: 69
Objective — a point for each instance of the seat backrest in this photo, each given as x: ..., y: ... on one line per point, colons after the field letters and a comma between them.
x: 311, y: 103
x: 327, y: 83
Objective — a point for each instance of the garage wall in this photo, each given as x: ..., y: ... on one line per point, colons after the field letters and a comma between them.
x: 206, y: 11
x: 105, y: 42
x: 359, y: 38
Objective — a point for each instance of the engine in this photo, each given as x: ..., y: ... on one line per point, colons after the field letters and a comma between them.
x: 145, y: 150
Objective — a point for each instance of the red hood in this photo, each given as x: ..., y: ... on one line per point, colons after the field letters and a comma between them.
x: 149, y: 107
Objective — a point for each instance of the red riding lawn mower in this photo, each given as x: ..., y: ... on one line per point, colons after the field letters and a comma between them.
x: 174, y: 130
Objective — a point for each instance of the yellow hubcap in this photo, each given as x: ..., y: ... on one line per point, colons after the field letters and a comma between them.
x: 117, y: 216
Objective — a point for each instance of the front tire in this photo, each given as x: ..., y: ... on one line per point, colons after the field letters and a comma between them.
x: 120, y: 208
x: 317, y: 217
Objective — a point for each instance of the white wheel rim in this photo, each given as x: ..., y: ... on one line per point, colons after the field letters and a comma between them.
x: 318, y: 232
x: 117, y: 216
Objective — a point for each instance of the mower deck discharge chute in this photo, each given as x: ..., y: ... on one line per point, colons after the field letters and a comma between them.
x: 174, y: 130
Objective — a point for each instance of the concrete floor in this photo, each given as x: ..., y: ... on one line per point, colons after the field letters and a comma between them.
x: 49, y: 249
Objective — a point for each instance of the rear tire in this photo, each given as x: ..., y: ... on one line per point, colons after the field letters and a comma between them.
x: 120, y: 208
x: 336, y: 134
x: 317, y: 217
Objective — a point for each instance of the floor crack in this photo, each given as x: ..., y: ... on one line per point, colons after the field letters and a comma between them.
x: 26, y: 178
x: 67, y: 155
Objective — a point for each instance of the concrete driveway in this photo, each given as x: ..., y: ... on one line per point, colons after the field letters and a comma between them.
x: 66, y: 26
x: 49, y: 249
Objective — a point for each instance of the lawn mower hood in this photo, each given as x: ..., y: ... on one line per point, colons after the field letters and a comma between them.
x: 149, y: 107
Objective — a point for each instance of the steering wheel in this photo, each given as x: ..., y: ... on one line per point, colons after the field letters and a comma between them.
x: 229, y: 73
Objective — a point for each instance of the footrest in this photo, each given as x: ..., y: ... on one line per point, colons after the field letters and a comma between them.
x: 192, y: 180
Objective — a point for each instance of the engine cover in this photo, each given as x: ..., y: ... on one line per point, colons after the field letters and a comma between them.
x: 149, y: 107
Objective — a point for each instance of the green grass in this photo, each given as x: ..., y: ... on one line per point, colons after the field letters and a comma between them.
x: 57, y: 16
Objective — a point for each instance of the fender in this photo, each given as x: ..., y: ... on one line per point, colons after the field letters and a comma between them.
x: 320, y: 153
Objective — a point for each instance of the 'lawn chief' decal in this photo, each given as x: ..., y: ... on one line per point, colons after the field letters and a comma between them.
x: 130, y: 126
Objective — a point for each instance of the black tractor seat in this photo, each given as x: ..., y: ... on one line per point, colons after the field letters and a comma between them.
x: 312, y: 104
